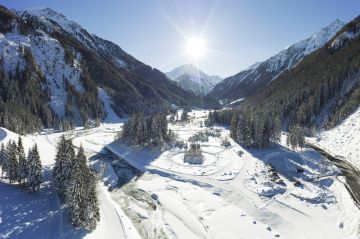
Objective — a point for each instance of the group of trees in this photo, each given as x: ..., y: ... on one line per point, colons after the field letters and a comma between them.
x: 149, y: 130
x: 140, y: 89
x: 248, y: 127
x: 219, y: 117
x: 20, y: 168
x: 255, y: 129
x: 324, y: 84
x: 76, y: 185
x: 347, y: 105
x: 185, y: 115
x: 295, y: 137
x: 87, y: 103
x: 24, y: 97
x: 322, y: 89
x: 194, y: 154
x: 64, y: 125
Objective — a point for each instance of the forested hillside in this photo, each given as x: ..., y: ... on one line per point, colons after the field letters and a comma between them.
x: 260, y: 74
x: 322, y: 90
x: 51, y: 70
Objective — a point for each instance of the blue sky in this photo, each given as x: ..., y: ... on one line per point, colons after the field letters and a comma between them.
x: 237, y: 32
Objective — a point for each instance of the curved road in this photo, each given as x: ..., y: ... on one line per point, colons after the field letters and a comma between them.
x: 349, y: 171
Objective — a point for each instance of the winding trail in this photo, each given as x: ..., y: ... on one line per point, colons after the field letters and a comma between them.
x: 349, y: 171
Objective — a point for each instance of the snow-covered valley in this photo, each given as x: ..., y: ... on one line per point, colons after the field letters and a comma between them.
x: 96, y: 143
x: 235, y: 193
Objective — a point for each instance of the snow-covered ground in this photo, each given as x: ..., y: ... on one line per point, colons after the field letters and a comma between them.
x: 343, y: 140
x: 268, y: 193
x: 259, y: 194
x: 25, y: 214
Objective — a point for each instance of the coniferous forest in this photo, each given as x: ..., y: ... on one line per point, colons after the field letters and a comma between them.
x: 76, y: 185
x: 16, y: 167
x: 318, y: 92
x: 152, y: 130
x: 139, y: 88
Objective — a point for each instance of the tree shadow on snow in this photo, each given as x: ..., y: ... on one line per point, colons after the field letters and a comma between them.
x: 3, y: 134
x: 307, y: 165
x: 27, y: 214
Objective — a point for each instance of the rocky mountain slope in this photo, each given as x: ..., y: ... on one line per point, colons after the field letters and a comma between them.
x: 320, y: 91
x: 260, y: 74
x: 67, y: 66
x: 192, y: 79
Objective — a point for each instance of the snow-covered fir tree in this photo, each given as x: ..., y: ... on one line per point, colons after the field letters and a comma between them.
x: 23, y: 167
x: 81, y: 194
x: 3, y: 159
x: 154, y: 131
x: 185, y: 115
x: 34, y: 176
x: 248, y: 127
x: 13, y: 164
x: 295, y: 137
x: 63, y: 165
x: 146, y: 130
x: 91, y: 213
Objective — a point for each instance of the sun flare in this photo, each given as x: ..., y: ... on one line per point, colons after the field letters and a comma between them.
x: 195, y: 48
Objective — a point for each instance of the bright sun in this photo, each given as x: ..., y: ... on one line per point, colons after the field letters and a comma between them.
x: 195, y: 48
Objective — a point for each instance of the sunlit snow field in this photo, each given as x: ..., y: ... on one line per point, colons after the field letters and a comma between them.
x: 154, y: 194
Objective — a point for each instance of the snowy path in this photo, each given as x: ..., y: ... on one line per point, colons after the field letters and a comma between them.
x: 350, y: 172
x: 113, y: 223
x: 110, y: 225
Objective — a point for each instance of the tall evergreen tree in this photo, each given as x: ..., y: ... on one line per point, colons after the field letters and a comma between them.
x: 276, y: 129
x: 63, y: 165
x: 233, y: 126
x: 146, y: 130
x: 3, y: 159
x: 296, y: 137
x: 34, y: 176
x: 185, y: 115
x: 91, y: 212
x: 23, y: 168
x: 81, y: 194
x: 13, y: 165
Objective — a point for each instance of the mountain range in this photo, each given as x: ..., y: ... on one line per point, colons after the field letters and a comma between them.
x: 260, y: 74
x: 65, y: 73
x: 68, y: 66
x: 321, y: 90
x: 190, y: 78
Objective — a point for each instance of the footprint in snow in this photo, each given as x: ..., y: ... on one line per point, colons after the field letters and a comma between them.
x: 268, y: 228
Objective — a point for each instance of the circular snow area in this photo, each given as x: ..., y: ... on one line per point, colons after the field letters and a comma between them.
x: 209, y: 159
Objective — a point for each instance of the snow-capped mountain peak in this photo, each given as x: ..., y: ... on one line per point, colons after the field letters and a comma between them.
x: 193, y: 79
x: 348, y: 34
x: 55, y: 20
x: 319, y: 39
x: 50, y: 16
x: 188, y: 69
x: 259, y: 74
x: 293, y: 54
x: 69, y: 65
